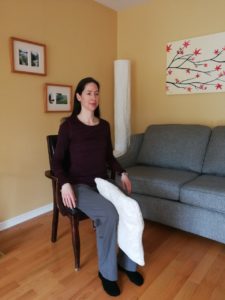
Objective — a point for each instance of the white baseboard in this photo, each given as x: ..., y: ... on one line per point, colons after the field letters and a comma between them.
x: 26, y: 216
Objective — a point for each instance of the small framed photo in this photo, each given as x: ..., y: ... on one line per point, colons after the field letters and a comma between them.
x: 58, y: 97
x: 28, y: 57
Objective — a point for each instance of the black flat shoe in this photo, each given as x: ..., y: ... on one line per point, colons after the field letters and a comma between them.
x: 110, y: 287
x: 135, y: 277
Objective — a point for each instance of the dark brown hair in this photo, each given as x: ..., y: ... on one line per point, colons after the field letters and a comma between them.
x: 79, y: 89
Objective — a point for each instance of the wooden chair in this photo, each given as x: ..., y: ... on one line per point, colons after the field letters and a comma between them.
x: 75, y: 215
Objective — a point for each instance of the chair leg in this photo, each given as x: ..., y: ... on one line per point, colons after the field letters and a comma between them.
x: 55, y: 223
x: 76, y: 240
x: 93, y: 226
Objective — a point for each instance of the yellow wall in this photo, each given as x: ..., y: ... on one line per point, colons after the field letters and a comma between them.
x: 143, y: 32
x: 81, y: 39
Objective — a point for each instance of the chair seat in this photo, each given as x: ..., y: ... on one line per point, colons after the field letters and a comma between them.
x: 75, y: 211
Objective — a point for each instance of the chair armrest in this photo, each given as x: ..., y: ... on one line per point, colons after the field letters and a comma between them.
x: 50, y: 175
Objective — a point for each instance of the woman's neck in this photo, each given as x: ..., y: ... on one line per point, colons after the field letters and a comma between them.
x: 88, y: 118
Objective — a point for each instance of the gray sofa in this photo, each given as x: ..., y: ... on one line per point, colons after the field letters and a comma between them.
x: 178, y: 177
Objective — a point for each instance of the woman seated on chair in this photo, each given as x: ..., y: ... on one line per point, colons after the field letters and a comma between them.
x: 83, y: 152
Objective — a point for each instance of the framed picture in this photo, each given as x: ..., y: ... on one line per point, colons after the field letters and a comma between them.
x: 58, y: 97
x: 28, y: 57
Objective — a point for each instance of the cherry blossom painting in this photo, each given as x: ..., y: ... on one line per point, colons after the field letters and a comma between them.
x: 196, y: 65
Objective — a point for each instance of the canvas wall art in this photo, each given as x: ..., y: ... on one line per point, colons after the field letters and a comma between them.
x: 196, y: 65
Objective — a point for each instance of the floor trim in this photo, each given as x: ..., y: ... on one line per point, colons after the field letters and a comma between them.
x: 26, y: 216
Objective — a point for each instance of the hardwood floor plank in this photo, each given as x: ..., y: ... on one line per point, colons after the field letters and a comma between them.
x: 205, y: 263
x: 187, y: 290
x: 218, y: 294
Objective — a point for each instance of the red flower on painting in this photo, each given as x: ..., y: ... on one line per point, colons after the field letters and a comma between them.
x: 170, y: 72
x: 216, y: 51
x: 219, y: 86
x: 218, y: 67
x: 189, y: 89
x: 186, y: 44
x: 168, y: 48
x: 197, y: 52
x: 180, y: 51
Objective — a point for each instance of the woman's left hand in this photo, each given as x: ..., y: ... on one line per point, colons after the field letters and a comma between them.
x: 126, y: 184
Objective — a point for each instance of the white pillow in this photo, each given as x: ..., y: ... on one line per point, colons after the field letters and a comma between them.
x: 131, y: 224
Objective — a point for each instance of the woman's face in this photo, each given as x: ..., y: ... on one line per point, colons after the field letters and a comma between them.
x: 89, y: 98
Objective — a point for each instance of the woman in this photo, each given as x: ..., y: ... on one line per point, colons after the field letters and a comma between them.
x: 83, y: 152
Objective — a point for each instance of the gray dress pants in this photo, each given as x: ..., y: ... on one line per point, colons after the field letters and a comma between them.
x: 105, y: 216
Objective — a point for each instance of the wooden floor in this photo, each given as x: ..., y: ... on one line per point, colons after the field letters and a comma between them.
x: 178, y: 266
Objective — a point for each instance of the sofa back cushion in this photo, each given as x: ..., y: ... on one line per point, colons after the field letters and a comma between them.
x: 215, y: 156
x: 175, y: 146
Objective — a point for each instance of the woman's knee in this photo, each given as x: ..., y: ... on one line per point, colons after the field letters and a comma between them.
x: 112, y: 213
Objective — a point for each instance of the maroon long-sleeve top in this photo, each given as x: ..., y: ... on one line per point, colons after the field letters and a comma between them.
x: 83, y: 152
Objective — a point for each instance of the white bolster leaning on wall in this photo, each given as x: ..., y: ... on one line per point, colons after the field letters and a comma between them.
x: 131, y: 223
x: 122, y: 103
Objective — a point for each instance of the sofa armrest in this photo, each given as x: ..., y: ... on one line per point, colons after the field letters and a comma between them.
x: 129, y: 158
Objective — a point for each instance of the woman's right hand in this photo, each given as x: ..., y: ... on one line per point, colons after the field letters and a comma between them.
x: 68, y: 195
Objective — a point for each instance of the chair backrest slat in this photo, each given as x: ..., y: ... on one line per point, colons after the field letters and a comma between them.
x: 51, y: 141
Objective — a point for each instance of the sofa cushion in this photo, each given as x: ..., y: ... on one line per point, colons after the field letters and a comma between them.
x: 175, y: 146
x: 206, y: 191
x: 158, y: 182
x: 215, y: 156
